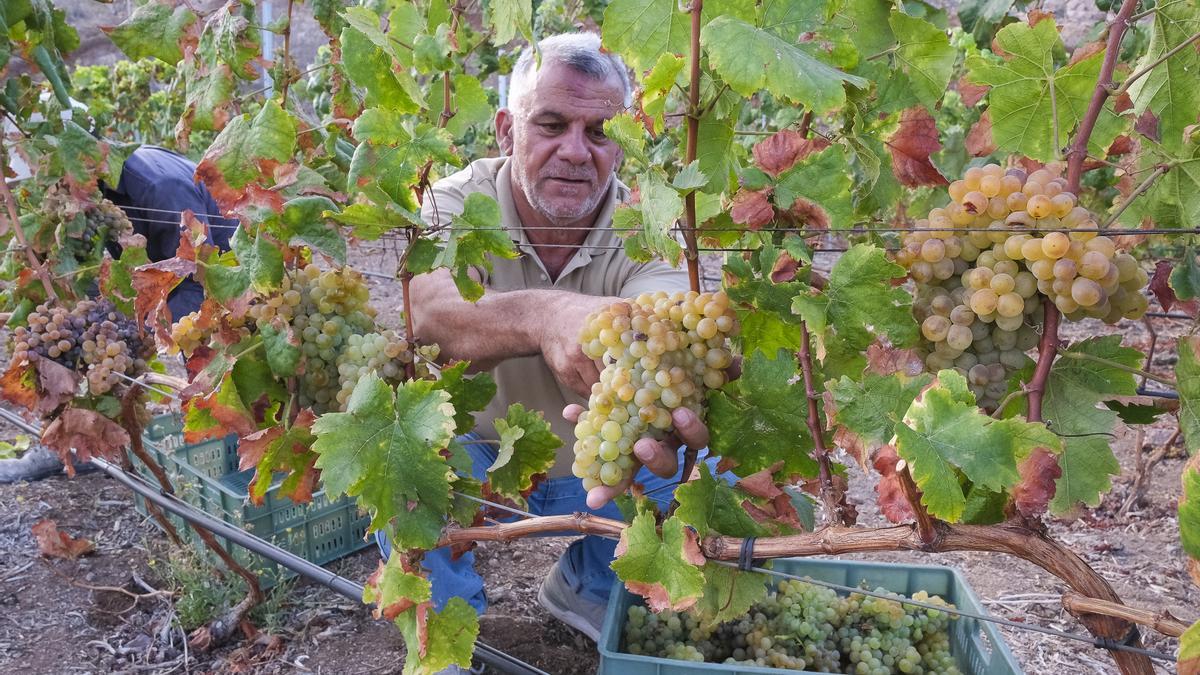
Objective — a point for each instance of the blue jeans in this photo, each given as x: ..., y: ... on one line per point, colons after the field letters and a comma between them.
x: 585, y: 565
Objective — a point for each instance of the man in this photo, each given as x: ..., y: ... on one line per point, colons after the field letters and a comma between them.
x: 156, y: 187
x: 557, y: 190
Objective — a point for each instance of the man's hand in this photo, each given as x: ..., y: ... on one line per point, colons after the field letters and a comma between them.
x: 559, y: 342
x: 660, y: 457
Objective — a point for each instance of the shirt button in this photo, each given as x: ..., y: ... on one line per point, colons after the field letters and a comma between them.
x: 544, y: 277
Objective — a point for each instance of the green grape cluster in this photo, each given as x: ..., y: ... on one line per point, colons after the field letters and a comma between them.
x: 660, y: 352
x: 984, y: 264
x: 801, y: 626
x: 91, y: 338
x: 329, y: 314
x: 80, y: 228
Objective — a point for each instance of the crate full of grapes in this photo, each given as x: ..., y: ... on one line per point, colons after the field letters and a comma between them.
x: 802, y: 626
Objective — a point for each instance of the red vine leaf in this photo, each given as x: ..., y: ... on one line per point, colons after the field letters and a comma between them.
x: 911, y: 146
x: 810, y: 214
x: 57, y: 385
x: 53, y: 543
x: 970, y: 92
x: 1147, y: 125
x: 153, y: 283
x: 1160, y: 286
x: 885, y: 360
x: 979, y: 141
x: 17, y: 385
x: 1039, y: 473
x: 780, y: 151
x: 752, y: 208
x: 892, y: 502
x: 785, y: 268
x: 762, y: 483
x: 1037, y: 16
x: 89, y: 433
x: 1085, y: 50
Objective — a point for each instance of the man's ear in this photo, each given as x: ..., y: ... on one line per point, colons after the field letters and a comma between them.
x: 504, y: 130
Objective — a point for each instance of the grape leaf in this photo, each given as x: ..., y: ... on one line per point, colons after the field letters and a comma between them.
x: 760, y: 417
x: 1023, y: 118
x: 664, y: 570
x: 530, y: 452
x: 925, y: 53
x: 470, y: 105
x: 1073, y: 391
x: 641, y: 31
x: 510, y: 18
x: 231, y: 37
x: 54, y: 543
x: 437, y: 640
x: 710, y: 505
x: 155, y: 29
x: 866, y: 412
x: 1187, y: 383
x: 394, y: 590
x: 1188, y: 661
x: 219, y: 413
x: 749, y: 60
x: 247, y: 152
x: 468, y: 395
x: 658, y: 214
x: 385, y: 450
x: 626, y: 131
x: 859, y: 303
x: 261, y: 260
x: 78, y: 434
x: 656, y: 85
x: 728, y: 593
x: 207, y: 93
x: 1039, y: 473
x: 431, y: 51
x: 381, y: 126
x: 480, y: 234
x: 304, y: 221
x: 819, y: 187
x: 714, y: 153
x: 1169, y: 90
x: 944, y: 432
x: 370, y: 69
x: 1133, y: 413
x: 280, y: 448
x: 914, y: 141
x: 1174, y: 199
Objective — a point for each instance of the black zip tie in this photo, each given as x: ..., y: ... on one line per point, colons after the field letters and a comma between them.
x: 746, y: 559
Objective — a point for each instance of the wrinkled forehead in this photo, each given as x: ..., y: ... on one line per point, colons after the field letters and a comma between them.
x: 566, y: 93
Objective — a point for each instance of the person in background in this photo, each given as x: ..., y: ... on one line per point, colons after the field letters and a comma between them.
x: 156, y: 186
x: 557, y: 190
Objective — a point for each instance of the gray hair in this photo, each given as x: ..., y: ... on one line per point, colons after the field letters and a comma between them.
x: 579, y: 51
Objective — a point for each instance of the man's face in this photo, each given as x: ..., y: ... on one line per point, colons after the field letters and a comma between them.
x: 562, y: 160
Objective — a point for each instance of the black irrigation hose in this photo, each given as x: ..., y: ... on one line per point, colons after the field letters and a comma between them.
x: 483, y: 652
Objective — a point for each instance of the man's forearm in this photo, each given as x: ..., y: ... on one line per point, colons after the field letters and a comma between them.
x: 499, y: 326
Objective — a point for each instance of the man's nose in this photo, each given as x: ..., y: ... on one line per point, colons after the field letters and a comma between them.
x: 573, y: 147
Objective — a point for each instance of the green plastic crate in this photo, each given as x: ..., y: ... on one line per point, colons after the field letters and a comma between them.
x: 976, y: 645
x: 320, y: 531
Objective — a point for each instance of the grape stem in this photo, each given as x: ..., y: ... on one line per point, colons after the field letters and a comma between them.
x: 1047, y: 350
x: 1112, y: 52
x: 1142, y: 72
x: 829, y: 497
x: 287, y: 42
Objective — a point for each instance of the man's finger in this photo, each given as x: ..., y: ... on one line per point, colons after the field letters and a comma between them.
x: 661, y: 461
x: 690, y: 429
x: 597, y: 497
x: 572, y: 412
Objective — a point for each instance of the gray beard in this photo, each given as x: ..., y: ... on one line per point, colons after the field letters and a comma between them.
x: 559, y: 215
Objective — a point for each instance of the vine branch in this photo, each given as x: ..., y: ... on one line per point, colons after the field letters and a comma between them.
x: 1047, y: 350
x: 1141, y: 189
x: 829, y: 496
x: 1112, y: 52
x: 1108, y: 363
x: 1161, y: 621
x: 13, y: 221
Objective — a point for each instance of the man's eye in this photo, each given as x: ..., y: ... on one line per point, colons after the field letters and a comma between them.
x: 552, y: 127
x: 598, y: 134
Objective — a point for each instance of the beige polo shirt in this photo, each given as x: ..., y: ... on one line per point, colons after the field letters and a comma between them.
x: 599, y: 267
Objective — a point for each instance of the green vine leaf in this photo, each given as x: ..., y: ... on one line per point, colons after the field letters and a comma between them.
x: 304, y: 221
x: 925, y: 53
x: 394, y: 590
x: 246, y: 153
x: 154, y: 30
x: 469, y: 395
x: 944, y: 432
x: 480, y: 234
x: 510, y: 18
x: 370, y: 69
x: 859, y: 304
x: 749, y: 60
x: 817, y: 190
x: 709, y: 505
x: 649, y: 225
x: 626, y: 131
x: 1185, y: 278
x: 261, y: 260
x: 1188, y: 661
x: 1169, y: 89
x: 760, y: 417
x: 1073, y: 391
x: 729, y: 593
x: 641, y: 31
x: 1023, y: 108
x: 527, y: 448
x: 866, y: 412
x: 664, y: 570
x: 437, y: 640
x: 280, y: 448
x: 385, y: 450
x: 1187, y: 383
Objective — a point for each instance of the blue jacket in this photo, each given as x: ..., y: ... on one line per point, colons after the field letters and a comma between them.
x: 156, y: 186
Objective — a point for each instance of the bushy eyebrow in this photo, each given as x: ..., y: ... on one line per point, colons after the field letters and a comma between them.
x: 545, y: 116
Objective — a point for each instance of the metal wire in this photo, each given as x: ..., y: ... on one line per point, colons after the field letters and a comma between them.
x: 143, y: 385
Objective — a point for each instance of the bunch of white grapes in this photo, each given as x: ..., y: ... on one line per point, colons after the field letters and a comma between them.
x: 986, y: 262
x: 660, y: 352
